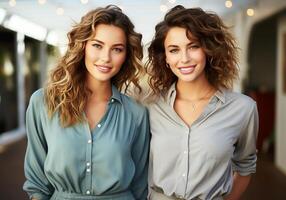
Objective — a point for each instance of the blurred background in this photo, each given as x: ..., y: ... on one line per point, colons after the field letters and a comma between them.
x: 33, y: 37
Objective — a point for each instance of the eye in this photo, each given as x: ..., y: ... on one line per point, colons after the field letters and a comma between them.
x: 118, y: 50
x: 98, y: 46
x: 194, y: 46
x: 174, y: 50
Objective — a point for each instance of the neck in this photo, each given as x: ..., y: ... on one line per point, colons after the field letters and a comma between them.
x: 100, y: 90
x: 194, y: 90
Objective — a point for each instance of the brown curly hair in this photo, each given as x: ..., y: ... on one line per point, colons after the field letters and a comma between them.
x: 66, y: 91
x: 215, y: 39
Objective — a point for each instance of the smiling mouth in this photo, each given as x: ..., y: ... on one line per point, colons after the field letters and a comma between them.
x: 187, y: 69
x: 103, y: 68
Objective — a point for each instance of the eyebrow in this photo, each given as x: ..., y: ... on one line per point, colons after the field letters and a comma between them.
x: 175, y: 46
x: 99, y: 41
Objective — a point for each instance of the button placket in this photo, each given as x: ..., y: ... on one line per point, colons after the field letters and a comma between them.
x: 87, y: 163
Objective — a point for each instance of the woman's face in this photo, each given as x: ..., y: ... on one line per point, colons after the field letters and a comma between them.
x: 105, y: 52
x: 185, y: 56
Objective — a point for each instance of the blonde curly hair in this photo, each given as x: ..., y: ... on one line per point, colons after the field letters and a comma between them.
x: 66, y: 91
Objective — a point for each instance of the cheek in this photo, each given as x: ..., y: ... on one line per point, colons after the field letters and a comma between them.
x: 119, y: 59
x: 201, y: 56
x: 90, y: 55
x: 171, y: 59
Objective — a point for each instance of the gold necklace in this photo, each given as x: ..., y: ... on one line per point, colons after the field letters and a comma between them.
x: 199, y: 99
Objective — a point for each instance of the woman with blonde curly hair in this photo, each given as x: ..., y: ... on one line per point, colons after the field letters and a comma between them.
x: 87, y: 140
x: 203, y: 142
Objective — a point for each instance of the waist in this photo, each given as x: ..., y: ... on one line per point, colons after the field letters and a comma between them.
x: 126, y: 195
x: 158, y: 194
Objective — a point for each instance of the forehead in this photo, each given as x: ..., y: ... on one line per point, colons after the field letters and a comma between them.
x: 178, y: 35
x: 109, y: 33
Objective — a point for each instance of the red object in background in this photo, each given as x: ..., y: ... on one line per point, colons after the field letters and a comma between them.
x: 266, y: 111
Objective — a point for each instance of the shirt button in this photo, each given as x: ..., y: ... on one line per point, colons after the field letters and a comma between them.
x: 185, y: 152
x: 88, y: 164
x: 112, y: 100
x: 87, y: 192
x: 88, y: 170
x: 98, y: 125
x: 183, y: 175
x: 89, y: 141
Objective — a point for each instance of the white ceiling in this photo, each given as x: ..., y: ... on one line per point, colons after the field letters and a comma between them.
x: 144, y: 13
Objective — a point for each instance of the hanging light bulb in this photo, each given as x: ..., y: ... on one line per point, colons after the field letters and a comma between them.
x: 84, y: 1
x: 12, y: 3
x: 163, y: 8
x: 250, y: 12
x: 60, y: 11
x: 42, y: 2
x: 228, y: 4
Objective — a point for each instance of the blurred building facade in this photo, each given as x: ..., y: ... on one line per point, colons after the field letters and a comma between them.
x: 24, y: 62
x: 262, y: 41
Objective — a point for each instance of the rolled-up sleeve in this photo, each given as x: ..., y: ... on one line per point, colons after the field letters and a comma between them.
x: 36, y: 184
x: 140, y: 154
x: 244, y: 159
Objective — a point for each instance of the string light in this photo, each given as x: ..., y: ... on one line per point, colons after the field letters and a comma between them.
x: 228, y: 4
x: 163, y: 8
x: 250, y: 12
x: 12, y: 3
x: 60, y: 11
x: 84, y: 1
x: 42, y: 2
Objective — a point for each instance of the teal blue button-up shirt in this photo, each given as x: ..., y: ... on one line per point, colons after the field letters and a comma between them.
x: 108, y: 162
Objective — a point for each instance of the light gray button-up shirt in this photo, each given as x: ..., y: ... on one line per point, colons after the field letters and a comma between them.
x: 198, y: 161
x: 108, y: 162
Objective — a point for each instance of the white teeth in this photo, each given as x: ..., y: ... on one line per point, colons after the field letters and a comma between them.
x: 186, y: 69
x: 103, y: 69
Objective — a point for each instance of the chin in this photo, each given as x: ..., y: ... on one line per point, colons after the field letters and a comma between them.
x: 186, y: 79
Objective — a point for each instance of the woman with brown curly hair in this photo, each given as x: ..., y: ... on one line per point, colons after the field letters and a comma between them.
x: 203, y: 134
x: 86, y: 140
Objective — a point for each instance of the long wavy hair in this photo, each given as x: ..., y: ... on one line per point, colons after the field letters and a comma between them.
x: 66, y: 90
x: 214, y: 37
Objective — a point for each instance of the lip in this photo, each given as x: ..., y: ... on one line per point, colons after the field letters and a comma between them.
x: 103, y: 68
x: 187, y: 69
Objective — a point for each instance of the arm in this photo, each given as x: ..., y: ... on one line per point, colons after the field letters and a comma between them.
x: 244, y: 158
x: 240, y: 184
x: 36, y: 185
x: 140, y: 154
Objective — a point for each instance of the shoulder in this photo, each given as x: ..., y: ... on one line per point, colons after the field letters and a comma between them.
x: 158, y: 103
x: 239, y: 100
x: 37, y: 98
x: 133, y: 106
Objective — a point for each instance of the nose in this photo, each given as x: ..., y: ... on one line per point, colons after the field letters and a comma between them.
x: 105, y: 55
x: 185, y: 57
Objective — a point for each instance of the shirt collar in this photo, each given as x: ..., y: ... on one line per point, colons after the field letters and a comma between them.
x: 116, y: 95
x: 171, y: 96
x: 221, y: 94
